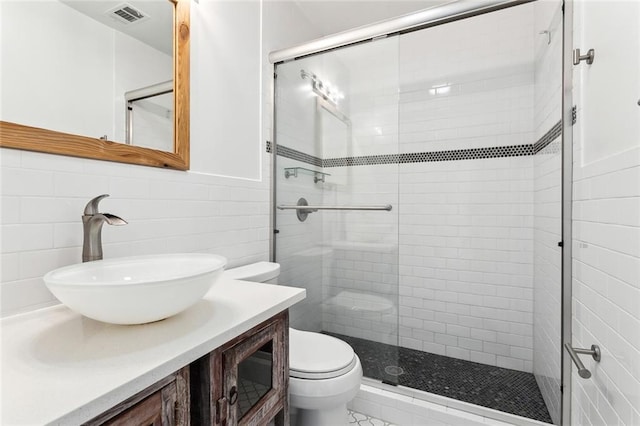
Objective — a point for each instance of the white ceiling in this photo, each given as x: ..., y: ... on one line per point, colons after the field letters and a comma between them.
x: 157, y: 31
x: 327, y: 16
x: 333, y: 16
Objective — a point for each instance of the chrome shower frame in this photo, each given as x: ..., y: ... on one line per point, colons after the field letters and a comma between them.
x: 567, y: 208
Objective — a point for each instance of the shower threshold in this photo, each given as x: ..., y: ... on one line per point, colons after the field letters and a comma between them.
x: 510, y: 391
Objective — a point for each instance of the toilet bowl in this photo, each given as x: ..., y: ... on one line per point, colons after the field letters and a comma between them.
x: 324, y: 372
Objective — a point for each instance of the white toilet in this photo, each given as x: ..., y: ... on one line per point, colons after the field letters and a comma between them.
x: 324, y: 372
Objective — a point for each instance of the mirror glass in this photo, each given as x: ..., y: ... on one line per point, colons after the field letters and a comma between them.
x: 101, y: 70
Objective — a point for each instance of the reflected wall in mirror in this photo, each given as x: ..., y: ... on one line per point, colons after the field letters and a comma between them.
x: 333, y: 129
x: 97, y: 79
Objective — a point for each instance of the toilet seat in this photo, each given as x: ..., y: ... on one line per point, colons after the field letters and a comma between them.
x: 316, y: 356
x: 325, y: 373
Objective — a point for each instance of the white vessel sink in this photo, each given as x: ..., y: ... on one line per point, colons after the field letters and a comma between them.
x: 135, y: 290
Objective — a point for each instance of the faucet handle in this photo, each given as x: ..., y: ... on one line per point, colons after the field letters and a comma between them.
x: 92, y: 206
x: 112, y: 219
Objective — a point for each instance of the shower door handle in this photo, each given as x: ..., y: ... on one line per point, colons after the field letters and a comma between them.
x: 573, y: 353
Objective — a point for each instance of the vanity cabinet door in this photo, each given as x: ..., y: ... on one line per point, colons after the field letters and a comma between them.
x: 165, y: 403
x: 253, y: 377
x: 245, y: 381
x: 145, y: 413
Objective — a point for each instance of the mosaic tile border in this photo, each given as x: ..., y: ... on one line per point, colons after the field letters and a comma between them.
x: 548, y: 137
x: 425, y: 157
x: 365, y: 160
x: 468, y: 154
x: 554, y: 147
x: 293, y: 154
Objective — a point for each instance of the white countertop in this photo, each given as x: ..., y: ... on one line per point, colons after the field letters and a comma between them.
x: 59, y: 367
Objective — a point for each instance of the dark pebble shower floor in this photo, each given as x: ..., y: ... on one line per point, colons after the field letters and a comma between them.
x: 503, y: 389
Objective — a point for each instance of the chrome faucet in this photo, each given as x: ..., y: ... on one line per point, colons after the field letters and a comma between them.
x: 92, y: 222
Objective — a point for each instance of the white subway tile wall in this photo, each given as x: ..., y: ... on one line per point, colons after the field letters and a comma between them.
x: 466, y: 272
x: 361, y: 261
x: 468, y: 84
x: 299, y: 244
x: 606, y: 288
x: 463, y: 244
x: 452, y: 263
x: 606, y: 219
x: 547, y: 342
x: 43, y: 197
x: 547, y: 276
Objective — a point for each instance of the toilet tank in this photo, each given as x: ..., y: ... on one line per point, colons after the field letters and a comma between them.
x: 260, y: 272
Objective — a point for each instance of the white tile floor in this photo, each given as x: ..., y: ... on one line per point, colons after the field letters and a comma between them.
x: 360, y: 419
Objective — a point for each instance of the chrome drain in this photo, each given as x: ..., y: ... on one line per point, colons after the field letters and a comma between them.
x: 393, y: 370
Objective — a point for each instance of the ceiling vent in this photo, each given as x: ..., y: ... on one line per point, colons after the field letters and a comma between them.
x: 127, y: 14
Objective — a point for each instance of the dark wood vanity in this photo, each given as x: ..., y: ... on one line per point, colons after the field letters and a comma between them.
x: 162, y: 404
x: 243, y: 382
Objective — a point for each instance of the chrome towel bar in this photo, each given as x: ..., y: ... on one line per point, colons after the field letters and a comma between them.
x: 386, y: 207
x: 573, y: 353
x: 303, y: 208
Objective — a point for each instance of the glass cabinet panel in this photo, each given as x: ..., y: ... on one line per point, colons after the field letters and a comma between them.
x: 254, y: 378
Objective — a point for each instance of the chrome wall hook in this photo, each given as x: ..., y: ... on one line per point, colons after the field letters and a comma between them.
x: 577, y: 57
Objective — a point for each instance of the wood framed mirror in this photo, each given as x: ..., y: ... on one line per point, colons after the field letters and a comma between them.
x: 20, y: 135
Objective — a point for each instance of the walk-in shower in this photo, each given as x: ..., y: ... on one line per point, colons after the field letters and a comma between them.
x: 417, y: 198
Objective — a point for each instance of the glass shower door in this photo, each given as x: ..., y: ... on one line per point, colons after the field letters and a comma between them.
x: 336, y: 141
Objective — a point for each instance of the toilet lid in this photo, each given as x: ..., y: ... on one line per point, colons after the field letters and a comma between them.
x: 318, y: 356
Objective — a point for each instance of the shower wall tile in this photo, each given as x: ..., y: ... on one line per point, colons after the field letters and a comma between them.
x: 460, y: 93
x: 466, y: 245
x: 361, y: 254
x: 547, y: 343
x: 606, y: 258
x: 463, y: 244
x: 602, y: 274
x: 548, y: 66
x: 299, y: 247
x: 465, y: 260
x: 547, y: 278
